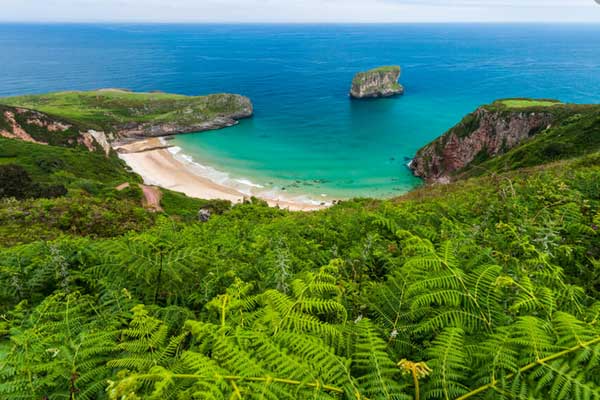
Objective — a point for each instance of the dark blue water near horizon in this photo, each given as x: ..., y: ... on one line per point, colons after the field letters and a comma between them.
x: 307, y: 136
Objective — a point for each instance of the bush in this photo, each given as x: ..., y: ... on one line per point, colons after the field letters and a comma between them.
x: 48, y: 164
x: 16, y: 182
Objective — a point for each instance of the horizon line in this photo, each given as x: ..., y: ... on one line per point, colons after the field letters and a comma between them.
x: 141, y: 22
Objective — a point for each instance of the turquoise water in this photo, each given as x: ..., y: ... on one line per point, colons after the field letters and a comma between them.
x: 307, y: 136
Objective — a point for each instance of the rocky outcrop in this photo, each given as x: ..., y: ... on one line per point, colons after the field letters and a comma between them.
x: 154, y: 129
x: 13, y: 130
x: 378, y: 82
x: 485, y: 133
x: 37, y: 127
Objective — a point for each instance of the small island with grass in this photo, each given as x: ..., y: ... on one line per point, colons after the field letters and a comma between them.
x: 377, y: 82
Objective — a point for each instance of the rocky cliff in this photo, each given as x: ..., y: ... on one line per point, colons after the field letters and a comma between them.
x: 488, y: 132
x: 378, y: 82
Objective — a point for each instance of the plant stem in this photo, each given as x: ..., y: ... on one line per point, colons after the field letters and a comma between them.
x: 530, y: 366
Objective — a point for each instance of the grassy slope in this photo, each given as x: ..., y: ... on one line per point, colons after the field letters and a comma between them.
x: 93, y: 207
x: 105, y: 110
x: 53, y: 164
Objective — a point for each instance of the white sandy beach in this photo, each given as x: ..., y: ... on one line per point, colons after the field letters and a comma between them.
x: 158, y: 166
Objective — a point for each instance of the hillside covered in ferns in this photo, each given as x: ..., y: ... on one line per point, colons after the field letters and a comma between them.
x: 487, y: 288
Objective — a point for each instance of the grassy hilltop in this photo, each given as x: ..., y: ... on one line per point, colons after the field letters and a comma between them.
x: 485, y: 288
x: 113, y: 110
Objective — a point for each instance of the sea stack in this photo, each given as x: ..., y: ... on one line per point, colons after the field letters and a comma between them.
x: 378, y: 82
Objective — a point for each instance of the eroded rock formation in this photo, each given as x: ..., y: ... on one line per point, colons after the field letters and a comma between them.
x: 485, y: 133
x: 378, y: 82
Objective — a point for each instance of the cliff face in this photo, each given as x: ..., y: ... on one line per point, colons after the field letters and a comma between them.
x: 378, y: 82
x: 486, y: 133
x: 36, y: 127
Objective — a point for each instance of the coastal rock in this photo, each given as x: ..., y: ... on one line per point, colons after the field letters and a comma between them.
x: 204, y: 215
x: 485, y: 133
x: 378, y: 82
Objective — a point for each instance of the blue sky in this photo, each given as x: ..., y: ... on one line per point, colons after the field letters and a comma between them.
x: 301, y: 10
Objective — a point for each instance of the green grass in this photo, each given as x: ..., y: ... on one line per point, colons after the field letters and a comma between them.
x: 362, y: 75
x: 92, y: 207
x: 108, y: 110
x: 524, y: 103
x: 386, y: 68
x: 186, y: 208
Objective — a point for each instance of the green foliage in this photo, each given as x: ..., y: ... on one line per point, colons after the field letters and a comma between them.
x: 487, y: 288
x: 571, y: 137
x: 268, y: 344
x: 157, y: 261
x: 47, y: 219
x: 59, y: 350
x: 178, y: 204
x: 60, y: 165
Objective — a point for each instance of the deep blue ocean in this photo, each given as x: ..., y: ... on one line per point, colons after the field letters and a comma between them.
x: 307, y: 136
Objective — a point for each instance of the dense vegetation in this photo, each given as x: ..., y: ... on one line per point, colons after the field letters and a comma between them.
x: 50, y: 191
x: 488, y: 288
x: 111, y: 110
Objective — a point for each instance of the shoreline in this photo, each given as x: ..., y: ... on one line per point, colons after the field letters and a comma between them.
x: 154, y: 161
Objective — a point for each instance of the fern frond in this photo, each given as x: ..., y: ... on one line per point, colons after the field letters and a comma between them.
x: 449, y: 363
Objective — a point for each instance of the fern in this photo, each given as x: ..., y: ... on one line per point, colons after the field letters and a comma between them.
x: 376, y: 373
x: 449, y: 363
x: 60, y: 350
x: 227, y: 361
